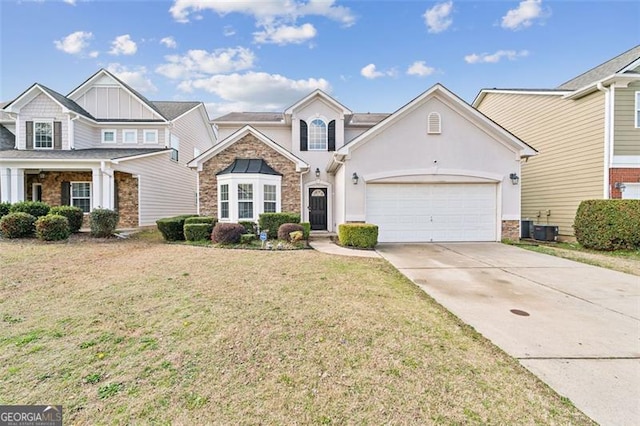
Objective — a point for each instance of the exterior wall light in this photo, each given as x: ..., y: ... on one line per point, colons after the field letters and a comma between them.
x: 355, y: 178
x: 514, y: 178
x: 317, y: 172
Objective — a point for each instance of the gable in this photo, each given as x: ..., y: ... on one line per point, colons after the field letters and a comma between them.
x: 316, y: 96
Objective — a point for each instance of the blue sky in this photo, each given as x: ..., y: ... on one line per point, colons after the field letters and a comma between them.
x: 263, y: 55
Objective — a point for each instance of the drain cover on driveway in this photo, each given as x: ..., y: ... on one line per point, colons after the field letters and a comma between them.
x: 519, y: 312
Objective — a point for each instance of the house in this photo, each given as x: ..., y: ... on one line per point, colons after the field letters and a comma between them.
x: 434, y: 170
x: 588, y: 134
x: 102, y: 145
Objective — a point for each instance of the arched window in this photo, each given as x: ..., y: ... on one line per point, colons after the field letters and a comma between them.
x: 317, y: 135
x: 434, y: 125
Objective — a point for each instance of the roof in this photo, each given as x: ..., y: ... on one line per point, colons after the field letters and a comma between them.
x: 322, y: 95
x: 366, y: 118
x: 251, y: 117
x: 172, y: 110
x: 7, y: 139
x: 602, y: 71
x: 246, y: 165
x: 77, y: 154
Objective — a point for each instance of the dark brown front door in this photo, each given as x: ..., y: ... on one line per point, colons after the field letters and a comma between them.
x: 318, y: 209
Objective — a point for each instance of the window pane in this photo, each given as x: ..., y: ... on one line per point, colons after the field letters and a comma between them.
x: 109, y: 136
x: 43, y: 135
x: 82, y: 203
x: 224, y: 210
x: 81, y: 189
x: 269, y: 207
x: 224, y: 192
x: 245, y: 191
x: 317, y: 135
x: 270, y: 193
x: 245, y: 210
x: 130, y: 136
x: 150, y: 136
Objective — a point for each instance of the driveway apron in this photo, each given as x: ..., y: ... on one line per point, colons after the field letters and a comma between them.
x: 575, y: 326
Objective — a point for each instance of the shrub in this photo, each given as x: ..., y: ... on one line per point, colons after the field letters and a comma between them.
x: 247, y: 238
x: 200, y: 219
x: 285, y: 230
x: 227, y: 233
x: 17, y: 225
x: 272, y: 221
x: 296, y: 236
x: 103, y: 222
x: 4, y: 208
x: 197, y: 231
x: 249, y: 226
x: 34, y: 208
x: 73, y: 214
x: 172, y: 228
x: 307, y: 230
x: 53, y: 227
x: 608, y: 224
x: 361, y: 235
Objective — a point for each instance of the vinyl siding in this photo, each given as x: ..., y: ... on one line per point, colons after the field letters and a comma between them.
x: 569, y: 136
x: 626, y: 135
x: 42, y: 107
x: 113, y: 102
x: 85, y: 136
x: 192, y: 131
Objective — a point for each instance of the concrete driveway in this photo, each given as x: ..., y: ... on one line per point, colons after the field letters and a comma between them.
x: 575, y: 326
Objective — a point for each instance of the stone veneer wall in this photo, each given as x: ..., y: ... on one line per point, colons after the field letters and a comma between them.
x: 248, y: 147
x: 511, y: 230
x: 127, y: 200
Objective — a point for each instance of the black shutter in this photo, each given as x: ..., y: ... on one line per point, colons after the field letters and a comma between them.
x: 29, y: 134
x: 332, y: 136
x: 116, y: 199
x: 65, y: 194
x: 57, y: 135
x: 303, y: 135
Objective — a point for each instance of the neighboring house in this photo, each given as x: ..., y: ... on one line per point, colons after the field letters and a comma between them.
x: 103, y: 145
x: 588, y: 134
x: 435, y: 170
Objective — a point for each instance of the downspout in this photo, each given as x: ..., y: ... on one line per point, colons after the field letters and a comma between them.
x: 72, y: 131
x: 607, y: 138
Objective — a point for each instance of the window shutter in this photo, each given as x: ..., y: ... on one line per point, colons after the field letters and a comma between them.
x: 65, y: 194
x: 57, y: 135
x: 434, y: 126
x: 332, y: 136
x: 303, y: 135
x: 116, y: 199
x: 29, y: 134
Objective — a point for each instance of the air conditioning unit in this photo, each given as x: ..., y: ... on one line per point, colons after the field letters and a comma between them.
x: 545, y: 232
x: 526, y: 228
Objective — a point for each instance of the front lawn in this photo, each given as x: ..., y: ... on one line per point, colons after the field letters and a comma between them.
x: 140, y: 332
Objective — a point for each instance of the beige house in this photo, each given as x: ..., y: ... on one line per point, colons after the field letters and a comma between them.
x: 587, y: 131
x: 435, y: 170
x: 102, y: 145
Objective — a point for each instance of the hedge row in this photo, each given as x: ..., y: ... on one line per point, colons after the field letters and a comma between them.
x: 360, y: 235
x: 271, y: 222
x: 608, y: 224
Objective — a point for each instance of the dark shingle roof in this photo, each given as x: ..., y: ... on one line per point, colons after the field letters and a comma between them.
x: 173, y: 110
x: 367, y: 118
x: 66, y: 102
x: 78, y: 154
x: 251, y: 117
x: 604, y: 70
x: 7, y: 139
x: 245, y: 165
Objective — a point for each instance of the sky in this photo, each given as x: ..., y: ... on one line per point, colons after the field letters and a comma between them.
x: 265, y: 55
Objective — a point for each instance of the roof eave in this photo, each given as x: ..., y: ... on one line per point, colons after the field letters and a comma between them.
x: 624, y: 78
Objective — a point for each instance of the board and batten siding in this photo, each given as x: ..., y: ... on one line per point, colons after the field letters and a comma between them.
x: 569, y: 135
x: 114, y: 102
x: 626, y: 135
x: 42, y: 107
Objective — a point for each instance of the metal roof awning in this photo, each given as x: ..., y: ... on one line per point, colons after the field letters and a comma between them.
x: 249, y: 165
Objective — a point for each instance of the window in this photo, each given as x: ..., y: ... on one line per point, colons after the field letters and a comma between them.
x: 224, y: 201
x: 637, y: 109
x: 150, y: 136
x: 130, y: 136
x: 434, y: 125
x: 317, y: 135
x: 108, y: 136
x: 81, y: 195
x: 269, y: 193
x: 175, y: 146
x: 245, y: 201
x: 43, y: 134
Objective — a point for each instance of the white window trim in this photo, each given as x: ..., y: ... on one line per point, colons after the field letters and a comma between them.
x: 125, y: 132
x: 637, y: 102
x: 115, y: 135
x: 33, y: 190
x: 264, y: 200
x: 326, y: 139
x: 144, y: 136
x: 53, y: 136
x: 258, y: 181
x: 71, y: 197
x: 220, y: 201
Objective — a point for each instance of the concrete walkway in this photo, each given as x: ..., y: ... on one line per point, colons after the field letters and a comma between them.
x: 575, y: 326
x: 325, y: 245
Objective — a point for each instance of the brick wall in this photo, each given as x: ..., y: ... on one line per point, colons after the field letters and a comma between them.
x: 52, y: 184
x: 127, y: 200
x: 249, y: 147
x: 622, y: 175
x: 511, y: 230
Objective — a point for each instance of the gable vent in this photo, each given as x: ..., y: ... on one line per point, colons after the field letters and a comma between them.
x: 434, y: 124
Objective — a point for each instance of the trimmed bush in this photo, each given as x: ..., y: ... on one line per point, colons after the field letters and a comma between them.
x: 17, y: 225
x: 247, y: 238
x: 197, y: 231
x: 307, y: 230
x: 53, y: 227
x: 272, y: 221
x: 296, y: 236
x: 4, y: 208
x: 172, y: 228
x: 73, y: 214
x: 103, y: 222
x: 360, y: 235
x: 201, y: 219
x: 608, y: 224
x: 250, y: 227
x: 34, y: 208
x: 227, y: 233
x: 285, y: 230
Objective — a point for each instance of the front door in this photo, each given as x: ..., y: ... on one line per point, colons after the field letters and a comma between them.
x: 318, y: 209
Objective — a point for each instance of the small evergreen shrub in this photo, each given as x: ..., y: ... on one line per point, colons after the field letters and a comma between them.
x: 250, y: 227
x: 197, y: 231
x: 285, y: 230
x: 247, y: 238
x: 201, y: 219
x: 53, y: 227
x: 307, y: 230
x: 608, y: 224
x: 73, y: 214
x: 172, y: 228
x: 17, y: 225
x: 103, y: 222
x: 5, y: 208
x: 34, y: 208
x: 272, y: 222
x: 296, y: 236
x: 360, y: 235
x: 227, y: 233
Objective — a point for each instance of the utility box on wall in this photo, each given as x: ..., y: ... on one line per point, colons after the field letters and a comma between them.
x: 545, y: 232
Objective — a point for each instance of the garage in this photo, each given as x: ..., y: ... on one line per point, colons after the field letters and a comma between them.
x: 433, y: 212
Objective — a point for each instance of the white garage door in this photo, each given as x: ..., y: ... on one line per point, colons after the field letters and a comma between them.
x: 433, y: 212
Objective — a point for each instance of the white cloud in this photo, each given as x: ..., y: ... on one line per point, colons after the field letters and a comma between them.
x: 198, y: 63
x: 420, y: 69
x: 285, y: 34
x: 493, y: 58
x: 169, y: 42
x: 228, y: 31
x: 135, y: 77
x: 438, y: 17
x: 74, y: 43
x: 523, y: 16
x: 94, y: 54
x: 370, y: 72
x: 123, y: 45
x: 71, y: 2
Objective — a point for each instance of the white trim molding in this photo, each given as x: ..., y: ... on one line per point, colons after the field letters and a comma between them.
x: 104, y: 132
x: 626, y: 161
